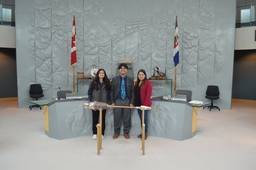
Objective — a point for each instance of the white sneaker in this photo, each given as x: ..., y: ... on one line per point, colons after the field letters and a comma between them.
x: 102, y: 137
x: 94, y: 136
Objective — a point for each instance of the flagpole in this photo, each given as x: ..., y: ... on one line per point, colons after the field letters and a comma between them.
x: 73, y: 79
x: 175, y: 78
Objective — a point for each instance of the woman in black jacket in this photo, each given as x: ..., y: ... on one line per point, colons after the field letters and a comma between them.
x: 99, y: 90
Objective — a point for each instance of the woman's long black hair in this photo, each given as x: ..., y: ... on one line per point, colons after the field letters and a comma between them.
x: 96, y: 81
x: 138, y: 80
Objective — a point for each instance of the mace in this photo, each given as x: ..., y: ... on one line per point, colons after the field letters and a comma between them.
x: 100, y: 106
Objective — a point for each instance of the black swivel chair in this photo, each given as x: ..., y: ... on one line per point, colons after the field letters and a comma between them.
x: 212, y: 93
x: 62, y: 94
x: 35, y: 92
x: 188, y: 93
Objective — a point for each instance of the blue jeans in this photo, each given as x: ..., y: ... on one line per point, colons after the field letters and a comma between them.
x: 145, y: 118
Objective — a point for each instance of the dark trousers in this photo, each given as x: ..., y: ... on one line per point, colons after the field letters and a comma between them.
x: 95, y: 120
x: 145, y: 119
x: 122, y: 115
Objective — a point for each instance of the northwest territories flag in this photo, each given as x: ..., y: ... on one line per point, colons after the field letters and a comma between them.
x: 73, y: 42
x: 176, y: 44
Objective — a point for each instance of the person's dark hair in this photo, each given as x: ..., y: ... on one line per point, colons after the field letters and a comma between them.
x: 138, y: 80
x: 121, y: 65
x: 96, y: 81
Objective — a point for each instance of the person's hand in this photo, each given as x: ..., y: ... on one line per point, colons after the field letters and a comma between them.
x: 113, y: 104
x: 131, y: 105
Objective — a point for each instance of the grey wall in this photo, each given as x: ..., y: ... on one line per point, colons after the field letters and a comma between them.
x: 141, y: 30
x: 8, y: 75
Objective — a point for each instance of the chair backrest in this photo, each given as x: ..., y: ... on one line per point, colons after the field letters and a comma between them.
x: 35, y: 89
x: 212, y: 90
x: 62, y: 94
x: 188, y: 93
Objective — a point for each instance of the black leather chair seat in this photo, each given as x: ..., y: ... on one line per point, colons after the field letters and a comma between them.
x: 36, y: 96
x: 212, y: 97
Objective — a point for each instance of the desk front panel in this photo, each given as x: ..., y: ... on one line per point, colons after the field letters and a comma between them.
x: 68, y: 119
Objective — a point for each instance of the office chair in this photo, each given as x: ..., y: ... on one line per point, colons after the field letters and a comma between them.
x: 212, y: 93
x: 188, y: 93
x: 62, y: 94
x: 35, y: 92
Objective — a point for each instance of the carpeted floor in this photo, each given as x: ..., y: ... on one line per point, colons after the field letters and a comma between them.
x: 225, y: 140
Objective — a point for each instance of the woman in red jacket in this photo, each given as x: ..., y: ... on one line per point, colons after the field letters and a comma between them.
x: 142, y: 93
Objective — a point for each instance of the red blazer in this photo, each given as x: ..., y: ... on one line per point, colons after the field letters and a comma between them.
x: 145, y: 93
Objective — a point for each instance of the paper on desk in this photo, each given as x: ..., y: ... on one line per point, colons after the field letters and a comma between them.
x: 196, y: 102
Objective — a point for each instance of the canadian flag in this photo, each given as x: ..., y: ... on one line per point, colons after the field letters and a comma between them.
x: 73, y: 42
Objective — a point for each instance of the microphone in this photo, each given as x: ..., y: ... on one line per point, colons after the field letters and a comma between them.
x: 62, y: 95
